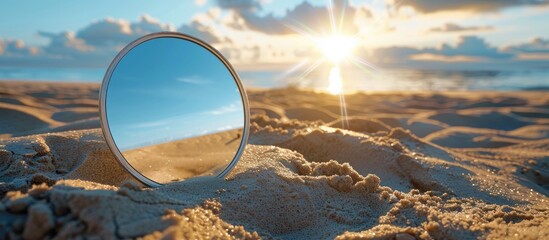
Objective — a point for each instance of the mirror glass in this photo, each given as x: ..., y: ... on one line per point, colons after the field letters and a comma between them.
x: 173, y: 110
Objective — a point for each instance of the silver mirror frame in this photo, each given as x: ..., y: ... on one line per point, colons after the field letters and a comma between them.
x: 103, y: 101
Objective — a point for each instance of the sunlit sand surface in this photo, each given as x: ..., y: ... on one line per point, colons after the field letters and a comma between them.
x: 426, y: 165
x: 204, y: 155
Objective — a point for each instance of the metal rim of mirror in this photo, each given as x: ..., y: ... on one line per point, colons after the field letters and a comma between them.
x: 103, y: 101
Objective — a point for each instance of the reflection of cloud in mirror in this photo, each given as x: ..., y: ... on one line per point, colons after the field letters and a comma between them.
x: 233, y: 107
x: 194, y: 80
x: 158, y: 123
x: 225, y: 128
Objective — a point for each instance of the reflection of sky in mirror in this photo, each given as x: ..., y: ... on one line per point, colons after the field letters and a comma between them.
x: 168, y: 89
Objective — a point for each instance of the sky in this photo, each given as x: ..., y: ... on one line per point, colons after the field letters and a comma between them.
x: 157, y: 94
x: 271, y: 35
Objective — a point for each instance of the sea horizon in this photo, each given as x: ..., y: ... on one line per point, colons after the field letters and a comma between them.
x: 384, y: 80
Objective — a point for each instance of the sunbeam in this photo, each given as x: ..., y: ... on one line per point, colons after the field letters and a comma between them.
x: 336, y: 48
x: 335, y: 85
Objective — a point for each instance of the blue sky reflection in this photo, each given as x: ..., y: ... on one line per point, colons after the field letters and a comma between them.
x: 168, y: 89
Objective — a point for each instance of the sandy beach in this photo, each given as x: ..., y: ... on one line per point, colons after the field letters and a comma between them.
x: 411, y: 165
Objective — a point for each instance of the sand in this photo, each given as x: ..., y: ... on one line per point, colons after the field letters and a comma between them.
x: 445, y: 165
x: 205, y: 155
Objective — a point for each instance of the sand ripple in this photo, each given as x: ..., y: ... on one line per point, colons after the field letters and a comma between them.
x: 427, y: 166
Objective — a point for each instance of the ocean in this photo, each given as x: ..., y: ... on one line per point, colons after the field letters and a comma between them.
x: 384, y: 80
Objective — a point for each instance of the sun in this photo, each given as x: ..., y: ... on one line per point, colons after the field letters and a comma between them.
x: 336, y: 48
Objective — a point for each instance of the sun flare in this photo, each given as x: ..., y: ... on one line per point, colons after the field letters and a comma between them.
x: 336, y: 48
x: 335, y: 85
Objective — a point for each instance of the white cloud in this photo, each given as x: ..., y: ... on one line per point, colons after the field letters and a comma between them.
x: 195, y: 80
x: 233, y: 107
x: 226, y: 128
x: 199, y: 2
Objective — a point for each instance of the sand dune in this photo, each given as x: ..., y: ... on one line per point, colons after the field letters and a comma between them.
x: 447, y: 165
x: 41, y: 108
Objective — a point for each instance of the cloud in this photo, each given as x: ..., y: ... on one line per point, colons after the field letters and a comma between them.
x: 233, y: 107
x: 112, y: 32
x: 266, y: 40
x: 199, y: 2
x: 469, y: 52
x: 195, y: 80
x: 536, y: 45
x: 240, y: 5
x: 471, y: 46
x: 106, y: 32
x: 147, y: 25
x: 306, y: 15
x: 16, y: 48
x: 94, y: 45
x: 535, y: 50
x: 392, y: 55
x: 428, y: 6
x: 203, y: 32
x: 65, y: 43
x: 452, y: 27
x: 249, y: 54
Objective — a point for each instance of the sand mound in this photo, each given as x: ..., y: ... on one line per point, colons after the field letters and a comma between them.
x: 361, y: 125
x: 17, y: 120
x: 74, y: 114
x: 45, y: 158
x: 296, y: 197
x: 480, y: 119
x: 90, y: 123
x: 463, y: 137
x: 265, y: 109
x: 31, y: 108
x: 531, y: 112
x: 419, y: 127
x: 401, y: 160
x: 310, y: 114
x: 532, y: 132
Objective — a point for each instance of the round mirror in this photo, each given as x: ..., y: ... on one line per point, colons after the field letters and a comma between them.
x: 172, y: 108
